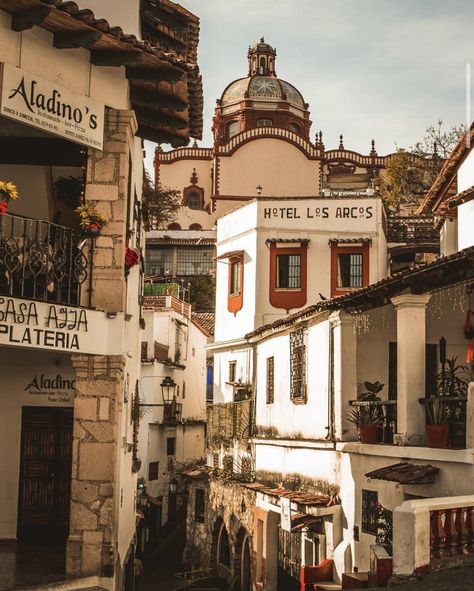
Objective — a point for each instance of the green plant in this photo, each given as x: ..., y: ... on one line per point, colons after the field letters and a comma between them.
x: 452, y: 379
x: 89, y: 215
x: 364, y: 415
x: 437, y: 411
x: 373, y: 388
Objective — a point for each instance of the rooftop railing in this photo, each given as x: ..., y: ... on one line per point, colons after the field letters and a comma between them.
x: 412, y: 230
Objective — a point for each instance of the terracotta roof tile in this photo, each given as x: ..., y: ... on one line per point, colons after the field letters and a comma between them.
x: 405, y: 473
x: 205, y: 321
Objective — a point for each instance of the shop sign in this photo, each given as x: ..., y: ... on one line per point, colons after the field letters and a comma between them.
x: 55, y: 388
x: 34, y: 101
x: 35, y: 325
x: 351, y: 211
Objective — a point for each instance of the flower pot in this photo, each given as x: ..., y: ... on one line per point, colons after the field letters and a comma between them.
x: 437, y: 435
x: 3, y: 207
x: 92, y: 230
x: 369, y: 433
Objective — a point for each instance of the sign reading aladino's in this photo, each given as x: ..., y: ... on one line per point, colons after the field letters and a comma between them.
x: 43, y: 104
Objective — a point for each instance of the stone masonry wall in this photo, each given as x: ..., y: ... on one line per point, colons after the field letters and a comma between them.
x: 91, y: 542
x: 107, y: 188
x: 227, y: 501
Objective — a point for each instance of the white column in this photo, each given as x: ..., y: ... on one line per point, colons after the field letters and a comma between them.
x: 344, y: 368
x: 411, y: 344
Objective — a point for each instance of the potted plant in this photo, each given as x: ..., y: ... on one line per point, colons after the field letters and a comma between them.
x: 437, y: 417
x: 92, y: 221
x: 8, y: 192
x: 366, y: 417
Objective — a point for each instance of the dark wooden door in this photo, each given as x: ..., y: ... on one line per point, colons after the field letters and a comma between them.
x: 289, y: 560
x: 45, y: 474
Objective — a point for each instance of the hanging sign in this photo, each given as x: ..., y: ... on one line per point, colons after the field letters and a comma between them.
x: 45, y: 105
x: 285, y: 520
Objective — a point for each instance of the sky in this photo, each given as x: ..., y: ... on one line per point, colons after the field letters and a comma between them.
x: 369, y: 69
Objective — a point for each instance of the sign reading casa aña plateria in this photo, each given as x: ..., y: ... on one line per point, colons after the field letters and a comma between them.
x: 43, y: 104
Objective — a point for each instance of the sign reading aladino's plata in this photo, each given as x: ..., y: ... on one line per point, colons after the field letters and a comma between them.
x: 41, y: 103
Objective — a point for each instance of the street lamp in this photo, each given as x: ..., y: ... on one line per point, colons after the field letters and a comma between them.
x: 173, y: 486
x: 168, y: 388
x: 259, y: 190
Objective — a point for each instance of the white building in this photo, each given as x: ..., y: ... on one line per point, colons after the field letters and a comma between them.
x: 172, y: 408
x: 70, y: 304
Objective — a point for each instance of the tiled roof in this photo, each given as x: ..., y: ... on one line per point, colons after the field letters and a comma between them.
x: 300, y: 497
x: 205, y: 321
x: 231, y: 254
x: 447, y: 174
x: 463, y: 197
x: 173, y: 107
x: 287, y: 240
x: 350, y: 240
x: 419, y: 279
x: 404, y: 473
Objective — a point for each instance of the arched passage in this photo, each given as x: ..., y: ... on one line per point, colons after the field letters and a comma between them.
x: 242, y: 560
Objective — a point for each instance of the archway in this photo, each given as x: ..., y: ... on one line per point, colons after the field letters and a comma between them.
x: 242, y: 560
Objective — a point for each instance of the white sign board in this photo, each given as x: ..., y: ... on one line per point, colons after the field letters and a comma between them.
x: 285, y: 521
x: 53, y: 327
x: 45, y: 105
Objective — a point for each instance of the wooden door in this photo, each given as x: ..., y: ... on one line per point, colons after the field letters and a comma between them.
x: 289, y: 560
x: 45, y: 474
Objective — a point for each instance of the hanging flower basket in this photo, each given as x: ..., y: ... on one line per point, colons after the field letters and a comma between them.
x: 8, y: 192
x: 132, y: 258
x: 92, y: 221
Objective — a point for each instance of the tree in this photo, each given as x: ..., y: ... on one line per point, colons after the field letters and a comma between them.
x: 160, y: 204
x: 202, y: 293
x: 409, y: 174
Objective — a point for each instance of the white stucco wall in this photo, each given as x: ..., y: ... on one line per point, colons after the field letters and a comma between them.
x: 465, y: 217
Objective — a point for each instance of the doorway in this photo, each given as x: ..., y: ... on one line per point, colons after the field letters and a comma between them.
x: 45, y: 474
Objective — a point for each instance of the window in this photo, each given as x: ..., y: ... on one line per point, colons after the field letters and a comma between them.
x: 288, y: 271
x: 170, y: 446
x: 232, y: 370
x: 232, y: 129
x: 349, y: 270
x: 369, y: 512
x: 298, y: 366
x: 194, y: 261
x: 264, y: 122
x: 193, y: 200
x: 294, y: 128
x: 153, y: 468
x: 174, y: 226
x: 199, y: 505
x: 197, y: 227
x: 159, y: 261
x: 223, y: 551
x: 270, y: 380
x: 234, y: 288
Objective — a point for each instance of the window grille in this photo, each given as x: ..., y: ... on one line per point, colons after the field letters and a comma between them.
x: 350, y: 270
x: 159, y: 261
x: 199, y: 505
x: 153, y: 470
x: 297, y: 365
x: 288, y: 271
x: 369, y: 512
x: 194, y: 261
x: 193, y: 200
x: 270, y: 380
x: 264, y: 122
x: 234, y: 270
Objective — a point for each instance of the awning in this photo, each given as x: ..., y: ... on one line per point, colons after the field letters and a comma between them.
x: 231, y: 254
x: 301, y: 521
x: 404, y: 473
x: 302, y: 241
x: 350, y: 241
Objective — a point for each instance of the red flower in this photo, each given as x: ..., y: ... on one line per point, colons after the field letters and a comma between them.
x: 131, y: 257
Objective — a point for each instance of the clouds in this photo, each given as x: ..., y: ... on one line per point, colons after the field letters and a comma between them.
x: 368, y: 68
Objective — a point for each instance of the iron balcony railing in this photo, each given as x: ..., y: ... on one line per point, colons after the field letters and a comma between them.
x: 412, y: 230
x: 229, y: 421
x: 43, y: 261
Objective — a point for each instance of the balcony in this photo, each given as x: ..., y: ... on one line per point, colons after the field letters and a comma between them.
x: 412, y: 230
x: 172, y: 413
x: 229, y: 421
x: 43, y: 261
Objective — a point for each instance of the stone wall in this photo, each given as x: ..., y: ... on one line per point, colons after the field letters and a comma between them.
x: 224, y: 500
x: 91, y: 543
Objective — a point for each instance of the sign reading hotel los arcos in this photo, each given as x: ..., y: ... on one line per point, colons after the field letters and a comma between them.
x: 41, y: 103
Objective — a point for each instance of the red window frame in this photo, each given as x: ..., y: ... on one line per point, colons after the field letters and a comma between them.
x: 235, y: 301
x: 337, y: 249
x: 282, y: 297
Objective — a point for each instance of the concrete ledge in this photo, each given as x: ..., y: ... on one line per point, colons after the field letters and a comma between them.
x: 429, y: 454
x: 83, y: 584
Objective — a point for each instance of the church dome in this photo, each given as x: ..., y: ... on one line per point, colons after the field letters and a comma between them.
x: 267, y: 88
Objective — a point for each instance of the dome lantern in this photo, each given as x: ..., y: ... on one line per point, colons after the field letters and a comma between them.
x: 261, y: 57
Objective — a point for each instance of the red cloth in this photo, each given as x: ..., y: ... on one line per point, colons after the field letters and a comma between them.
x: 469, y: 334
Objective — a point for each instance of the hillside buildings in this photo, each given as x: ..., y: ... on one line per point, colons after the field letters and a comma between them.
x: 78, y: 96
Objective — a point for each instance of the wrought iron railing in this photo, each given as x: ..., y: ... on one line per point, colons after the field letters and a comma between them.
x: 229, y: 421
x: 42, y: 261
x: 412, y: 230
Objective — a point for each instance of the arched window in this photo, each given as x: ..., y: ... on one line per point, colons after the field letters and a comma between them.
x: 193, y: 200
x: 223, y: 547
x: 174, y: 226
x: 294, y: 127
x: 232, y: 129
x: 196, y: 227
x: 264, y: 122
